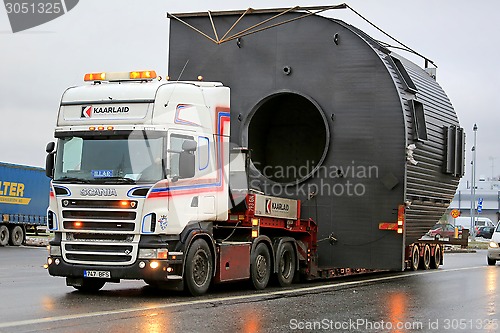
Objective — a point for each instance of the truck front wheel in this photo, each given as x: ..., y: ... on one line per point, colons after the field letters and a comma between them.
x: 4, y: 235
x: 260, y: 268
x: 16, y: 236
x: 199, y: 268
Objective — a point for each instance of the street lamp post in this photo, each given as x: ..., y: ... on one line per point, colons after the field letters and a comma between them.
x: 473, y: 186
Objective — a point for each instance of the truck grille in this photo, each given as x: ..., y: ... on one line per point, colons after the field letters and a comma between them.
x: 99, y: 237
x: 100, y: 253
x: 98, y: 248
x: 98, y: 258
x: 91, y: 225
x: 101, y: 215
x: 99, y: 232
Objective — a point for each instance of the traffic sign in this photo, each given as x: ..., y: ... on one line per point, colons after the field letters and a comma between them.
x: 455, y: 213
x: 479, y: 205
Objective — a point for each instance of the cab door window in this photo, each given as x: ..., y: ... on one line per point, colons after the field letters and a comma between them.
x: 181, y: 156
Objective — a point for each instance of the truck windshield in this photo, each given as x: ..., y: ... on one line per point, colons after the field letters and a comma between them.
x: 133, y: 158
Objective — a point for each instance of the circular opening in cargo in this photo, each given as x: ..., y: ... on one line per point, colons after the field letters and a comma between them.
x: 288, y: 137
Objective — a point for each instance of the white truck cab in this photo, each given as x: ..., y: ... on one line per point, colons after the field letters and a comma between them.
x: 137, y: 161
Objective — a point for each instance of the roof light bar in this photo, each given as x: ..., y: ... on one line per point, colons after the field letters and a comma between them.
x: 95, y: 76
x: 121, y: 76
x: 142, y: 75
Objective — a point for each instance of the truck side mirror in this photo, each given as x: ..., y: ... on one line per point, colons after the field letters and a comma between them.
x: 49, y: 160
x: 50, y: 147
x: 49, y: 165
x: 187, y: 159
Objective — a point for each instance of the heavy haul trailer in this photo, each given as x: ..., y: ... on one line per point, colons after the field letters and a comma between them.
x: 151, y: 180
x: 24, y: 197
x: 320, y: 95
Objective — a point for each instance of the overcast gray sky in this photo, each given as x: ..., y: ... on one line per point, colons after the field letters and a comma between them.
x: 37, y: 65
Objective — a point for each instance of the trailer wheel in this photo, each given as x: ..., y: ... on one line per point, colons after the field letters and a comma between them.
x: 415, y: 258
x: 286, y: 265
x: 16, y: 236
x: 91, y: 285
x: 426, y: 262
x: 436, y: 258
x: 260, y: 268
x: 199, y: 268
x: 4, y: 235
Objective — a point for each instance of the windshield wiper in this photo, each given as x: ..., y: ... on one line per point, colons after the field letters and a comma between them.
x: 107, y: 180
x: 72, y: 179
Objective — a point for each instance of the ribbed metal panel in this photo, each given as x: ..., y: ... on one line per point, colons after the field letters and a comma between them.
x: 428, y: 189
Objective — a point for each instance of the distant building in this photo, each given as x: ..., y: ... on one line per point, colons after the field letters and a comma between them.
x: 486, y: 190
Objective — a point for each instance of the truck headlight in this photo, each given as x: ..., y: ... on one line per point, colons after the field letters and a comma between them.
x: 153, y: 253
x: 54, y: 250
x: 147, y: 253
x: 493, y: 245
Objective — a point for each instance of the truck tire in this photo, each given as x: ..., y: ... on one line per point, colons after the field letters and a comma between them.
x: 436, y: 258
x: 4, y: 235
x: 260, y: 267
x: 91, y: 285
x: 426, y: 259
x: 16, y: 236
x: 286, y: 265
x: 491, y: 262
x: 415, y: 258
x: 199, y: 268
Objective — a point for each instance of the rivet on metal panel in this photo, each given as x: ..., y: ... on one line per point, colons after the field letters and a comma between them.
x: 336, y: 39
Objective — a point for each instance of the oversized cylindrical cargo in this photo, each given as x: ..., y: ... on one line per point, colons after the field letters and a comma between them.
x: 335, y: 119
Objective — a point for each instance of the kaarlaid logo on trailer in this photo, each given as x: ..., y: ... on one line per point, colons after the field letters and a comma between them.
x: 26, y: 14
x: 276, y: 207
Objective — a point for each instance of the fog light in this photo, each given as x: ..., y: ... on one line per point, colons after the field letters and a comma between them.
x: 55, y: 250
x: 154, y: 264
x: 57, y: 261
x: 170, y: 269
x: 142, y: 264
x: 49, y: 261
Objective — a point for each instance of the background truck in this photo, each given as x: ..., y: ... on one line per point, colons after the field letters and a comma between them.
x: 24, y: 197
x: 333, y: 156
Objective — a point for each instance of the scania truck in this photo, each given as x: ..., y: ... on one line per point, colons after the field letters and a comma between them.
x: 302, y: 164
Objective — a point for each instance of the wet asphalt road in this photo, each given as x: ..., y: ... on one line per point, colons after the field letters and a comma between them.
x: 462, y: 296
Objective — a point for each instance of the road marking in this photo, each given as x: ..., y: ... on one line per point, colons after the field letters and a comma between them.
x: 228, y: 298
